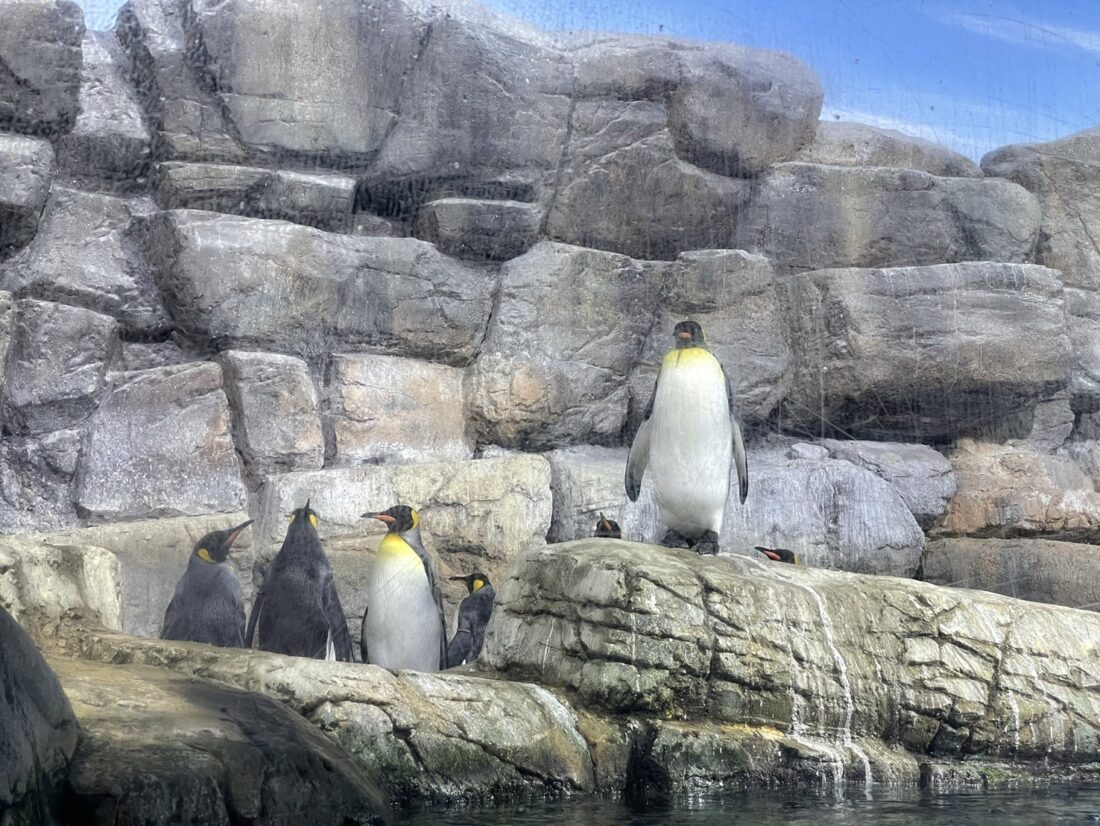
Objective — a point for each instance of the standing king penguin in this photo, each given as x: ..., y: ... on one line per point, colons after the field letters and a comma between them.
x: 208, y: 605
x: 298, y: 612
x: 473, y: 616
x: 686, y: 439
x: 403, y: 626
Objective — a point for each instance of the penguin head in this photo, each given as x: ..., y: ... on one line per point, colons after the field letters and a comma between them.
x: 474, y: 582
x: 607, y: 528
x: 304, y: 518
x: 214, y: 547
x: 689, y: 334
x: 399, y: 518
x: 778, y: 554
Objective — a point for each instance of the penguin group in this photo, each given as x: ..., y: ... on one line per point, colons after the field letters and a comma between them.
x: 689, y: 437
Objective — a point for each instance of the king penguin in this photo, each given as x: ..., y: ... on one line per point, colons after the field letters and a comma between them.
x: 473, y: 616
x: 403, y: 626
x: 298, y: 611
x: 607, y: 529
x: 686, y: 439
x: 208, y: 605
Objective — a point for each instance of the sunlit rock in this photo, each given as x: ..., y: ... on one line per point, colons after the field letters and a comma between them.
x: 844, y: 143
x: 226, y: 756
x: 270, y: 285
x: 86, y: 254
x: 152, y: 555
x: 276, y: 419
x: 26, y: 165
x: 109, y: 138
x: 1013, y: 490
x: 37, y: 728
x: 810, y: 216
x: 568, y: 327
x: 383, y: 409
x: 1041, y: 570
x: 924, y: 353
x: 40, y: 53
x: 159, y: 445
x: 57, y: 362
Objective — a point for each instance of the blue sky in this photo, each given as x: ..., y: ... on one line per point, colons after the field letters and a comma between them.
x: 969, y: 74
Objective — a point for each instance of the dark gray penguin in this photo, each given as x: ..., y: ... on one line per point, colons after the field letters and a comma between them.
x: 208, y: 605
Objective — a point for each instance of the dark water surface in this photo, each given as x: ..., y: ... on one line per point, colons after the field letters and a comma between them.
x: 1042, y: 807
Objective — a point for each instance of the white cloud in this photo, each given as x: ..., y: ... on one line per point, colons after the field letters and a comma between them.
x: 1022, y: 31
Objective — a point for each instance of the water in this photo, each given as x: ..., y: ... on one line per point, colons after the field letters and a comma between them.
x: 1042, y: 807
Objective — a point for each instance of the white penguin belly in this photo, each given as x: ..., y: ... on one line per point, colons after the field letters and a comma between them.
x: 691, y: 444
x: 402, y: 626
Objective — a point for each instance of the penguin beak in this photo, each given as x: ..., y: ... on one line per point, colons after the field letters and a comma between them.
x: 381, y: 517
x: 457, y: 578
x: 231, y: 537
x: 770, y: 554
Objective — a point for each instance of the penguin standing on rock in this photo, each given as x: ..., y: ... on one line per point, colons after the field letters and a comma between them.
x: 403, y: 626
x: 688, y: 436
x: 607, y: 529
x: 298, y: 612
x: 208, y: 605
x: 473, y: 616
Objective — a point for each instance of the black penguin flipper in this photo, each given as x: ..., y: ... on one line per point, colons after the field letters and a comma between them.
x: 437, y: 595
x: 253, y: 618
x: 637, y: 460
x: 740, y: 459
x: 458, y: 649
x: 363, y: 653
x: 169, y: 630
x: 337, y: 622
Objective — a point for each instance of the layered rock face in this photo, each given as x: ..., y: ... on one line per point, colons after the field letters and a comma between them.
x: 440, y: 268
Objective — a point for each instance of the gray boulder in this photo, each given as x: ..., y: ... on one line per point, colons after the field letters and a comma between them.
x: 568, y: 327
x: 922, y: 476
x: 624, y: 189
x: 141, y: 355
x: 40, y: 53
x: 26, y: 165
x: 185, y: 118
x: 383, y: 409
x: 1083, y: 326
x: 1040, y: 570
x: 733, y: 110
x: 151, y: 555
x: 924, y: 353
x: 56, y: 365
x: 808, y: 216
x: 7, y: 321
x: 844, y: 143
x: 159, y: 445
x: 109, y: 139
x: 228, y: 756
x: 37, y: 728
x: 276, y: 420
x: 36, y: 481
x: 328, y: 291
x: 86, y: 253
x: 741, y: 305
x: 317, y: 200
x: 481, y: 229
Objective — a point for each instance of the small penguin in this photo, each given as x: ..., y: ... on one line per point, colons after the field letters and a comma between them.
x: 208, y: 605
x: 607, y: 529
x: 473, y: 616
x: 687, y: 437
x: 403, y: 626
x: 778, y: 554
x: 298, y: 612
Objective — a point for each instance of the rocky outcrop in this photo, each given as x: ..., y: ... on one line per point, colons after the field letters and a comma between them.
x: 37, y: 728
x: 46, y: 583
x: 326, y: 292
x: 481, y: 229
x: 808, y: 217
x: 924, y: 353
x: 25, y: 168
x: 159, y: 445
x: 569, y: 325
x: 40, y: 53
x: 844, y: 143
x: 1040, y: 570
x: 227, y: 756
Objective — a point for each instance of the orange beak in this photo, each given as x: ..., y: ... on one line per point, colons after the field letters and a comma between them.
x: 381, y: 517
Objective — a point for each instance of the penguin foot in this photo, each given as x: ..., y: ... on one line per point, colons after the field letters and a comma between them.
x: 707, y: 544
x: 674, y: 540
